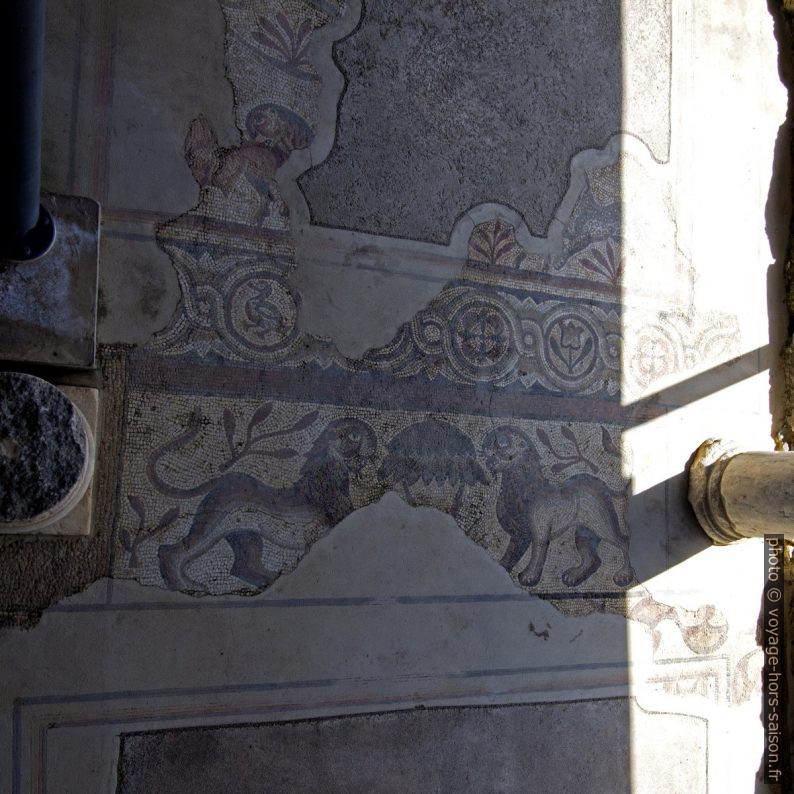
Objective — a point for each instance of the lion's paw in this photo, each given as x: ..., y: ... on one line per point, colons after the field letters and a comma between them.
x: 624, y: 577
x: 529, y: 580
x: 574, y: 576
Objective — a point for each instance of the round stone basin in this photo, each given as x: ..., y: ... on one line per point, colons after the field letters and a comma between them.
x: 46, y: 453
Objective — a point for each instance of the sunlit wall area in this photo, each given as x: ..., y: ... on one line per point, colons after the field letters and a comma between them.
x: 705, y: 234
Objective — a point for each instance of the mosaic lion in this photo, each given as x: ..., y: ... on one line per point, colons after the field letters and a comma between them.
x: 321, y: 496
x: 534, y: 511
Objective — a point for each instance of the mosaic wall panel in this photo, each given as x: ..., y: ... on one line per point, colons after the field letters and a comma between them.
x: 231, y: 495
x: 501, y: 403
x: 529, y: 391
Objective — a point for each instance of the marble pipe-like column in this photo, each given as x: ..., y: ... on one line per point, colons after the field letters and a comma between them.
x: 742, y: 494
x: 26, y: 228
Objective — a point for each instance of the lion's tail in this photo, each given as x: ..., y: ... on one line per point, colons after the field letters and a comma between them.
x: 193, y: 427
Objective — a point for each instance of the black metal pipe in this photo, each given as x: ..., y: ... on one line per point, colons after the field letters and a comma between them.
x: 22, y: 219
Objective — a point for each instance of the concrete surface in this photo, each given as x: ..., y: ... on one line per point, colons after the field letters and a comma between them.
x: 409, y: 167
x: 276, y: 537
x: 512, y: 748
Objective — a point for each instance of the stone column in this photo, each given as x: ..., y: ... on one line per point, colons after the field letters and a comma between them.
x: 742, y: 494
x: 46, y: 455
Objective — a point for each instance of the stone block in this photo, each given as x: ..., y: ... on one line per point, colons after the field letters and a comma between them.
x: 48, y: 306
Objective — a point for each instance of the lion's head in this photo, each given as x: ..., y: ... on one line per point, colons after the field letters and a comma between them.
x: 348, y: 441
x: 506, y: 446
x: 277, y: 128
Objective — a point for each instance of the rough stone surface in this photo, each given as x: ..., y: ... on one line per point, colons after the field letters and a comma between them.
x: 510, y: 749
x: 414, y: 148
x: 42, y: 446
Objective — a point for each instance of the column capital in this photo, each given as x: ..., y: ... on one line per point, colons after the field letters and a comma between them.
x: 741, y: 494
